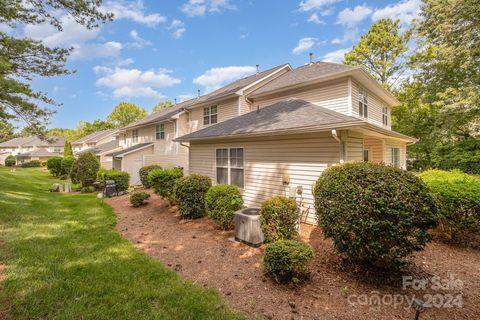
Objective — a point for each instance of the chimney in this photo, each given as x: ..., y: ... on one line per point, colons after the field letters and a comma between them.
x: 311, y: 57
x: 258, y: 68
x: 198, y: 92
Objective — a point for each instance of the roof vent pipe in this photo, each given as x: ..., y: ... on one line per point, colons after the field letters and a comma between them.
x: 175, y: 101
x: 258, y: 68
x: 198, y: 93
x: 311, y: 57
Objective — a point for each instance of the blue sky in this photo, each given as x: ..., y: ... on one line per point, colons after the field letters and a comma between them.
x: 162, y: 50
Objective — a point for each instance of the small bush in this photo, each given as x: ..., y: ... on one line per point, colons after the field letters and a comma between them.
x: 278, y: 218
x: 122, y: 179
x: 31, y: 164
x: 163, y: 181
x: 375, y: 214
x: 190, y: 195
x: 10, y: 161
x: 221, y: 202
x: 66, y: 165
x: 88, y: 189
x: 84, y: 169
x: 458, y: 196
x: 287, y: 261
x: 137, y: 198
x: 54, y: 165
x: 144, y: 171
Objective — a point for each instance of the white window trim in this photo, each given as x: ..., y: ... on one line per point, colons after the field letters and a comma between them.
x: 385, y: 119
x: 363, y: 99
x: 399, y: 157
x: 160, y: 131
x: 134, y: 137
x: 209, y: 115
x: 229, y: 181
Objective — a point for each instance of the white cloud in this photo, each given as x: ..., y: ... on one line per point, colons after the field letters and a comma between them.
x: 134, y: 11
x: 351, y: 17
x: 133, y: 82
x: 348, y: 35
x: 178, y: 28
x: 304, y: 44
x: 214, y: 78
x: 195, y: 8
x: 336, y: 56
x: 405, y: 10
x: 97, y: 50
x: 139, y: 42
x: 185, y: 97
x: 76, y: 36
x: 315, y: 19
x: 308, y: 5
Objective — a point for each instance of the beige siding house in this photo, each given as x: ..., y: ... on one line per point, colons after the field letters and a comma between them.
x: 294, y: 127
x: 100, y: 144
x: 31, y: 148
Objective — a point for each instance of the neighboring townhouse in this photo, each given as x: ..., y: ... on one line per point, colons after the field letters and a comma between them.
x: 151, y: 140
x: 294, y: 127
x: 100, y: 144
x: 31, y: 148
x: 94, y: 139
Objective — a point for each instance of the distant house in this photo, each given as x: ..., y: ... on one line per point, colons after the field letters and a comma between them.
x: 272, y: 133
x: 31, y: 148
x: 99, y: 143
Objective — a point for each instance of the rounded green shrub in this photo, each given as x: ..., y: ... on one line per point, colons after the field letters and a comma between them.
x: 122, y: 179
x: 190, y: 195
x: 137, y: 198
x: 10, y: 161
x: 88, y: 189
x: 287, y: 261
x: 54, y: 165
x: 375, y: 214
x: 221, y: 202
x: 84, y: 169
x: 458, y: 196
x: 144, y: 171
x: 66, y: 165
x: 163, y: 181
x: 278, y: 218
x: 31, y: 164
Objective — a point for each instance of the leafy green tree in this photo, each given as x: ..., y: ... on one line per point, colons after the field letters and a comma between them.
x: 67, y: 149
x: 22, y: 59
x: 125, y: 113
x: 68, y: 134
x: 162, y: 105
x: 85, y: 128
x: 381, y: 51
x: 6, y: 131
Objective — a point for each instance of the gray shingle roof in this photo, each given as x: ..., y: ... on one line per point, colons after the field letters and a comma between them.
x: 41, y: 152
x: 308, y: 72
x: 34, y: 141
x: 101, y: 148
x: 95, y: 136
x: 129, y: 149
x: 164, y: 114
x: 285, y: 115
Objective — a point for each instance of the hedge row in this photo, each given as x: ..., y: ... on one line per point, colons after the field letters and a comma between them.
x: 121, y: 178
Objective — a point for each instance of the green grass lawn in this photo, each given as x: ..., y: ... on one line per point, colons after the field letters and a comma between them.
x: 64, y: 260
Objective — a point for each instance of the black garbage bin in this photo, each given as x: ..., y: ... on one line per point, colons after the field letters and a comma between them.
x: 110, y: 188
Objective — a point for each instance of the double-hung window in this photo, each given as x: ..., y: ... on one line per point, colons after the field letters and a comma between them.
x: 229, y: 166
x: 160, y: 131
x: 210, y: 115
x: 366, y: 156
x: 362, y: 102
x: 385, y: 116
x: 135, y: 135
x: 396, y: 157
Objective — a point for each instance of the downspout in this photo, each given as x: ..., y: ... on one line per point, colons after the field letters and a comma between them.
x: 342, y: 145
x: 250, y: 102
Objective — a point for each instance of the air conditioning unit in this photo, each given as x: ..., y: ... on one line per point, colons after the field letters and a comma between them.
x: 247, y: 227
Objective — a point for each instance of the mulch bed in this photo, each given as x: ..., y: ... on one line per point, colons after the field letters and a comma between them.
x: 197, y: 250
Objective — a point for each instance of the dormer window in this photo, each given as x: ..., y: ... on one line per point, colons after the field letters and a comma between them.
x: 362, y: 103
x: 385, y: 116
x: 210, y: 115
x: 160, y: 132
